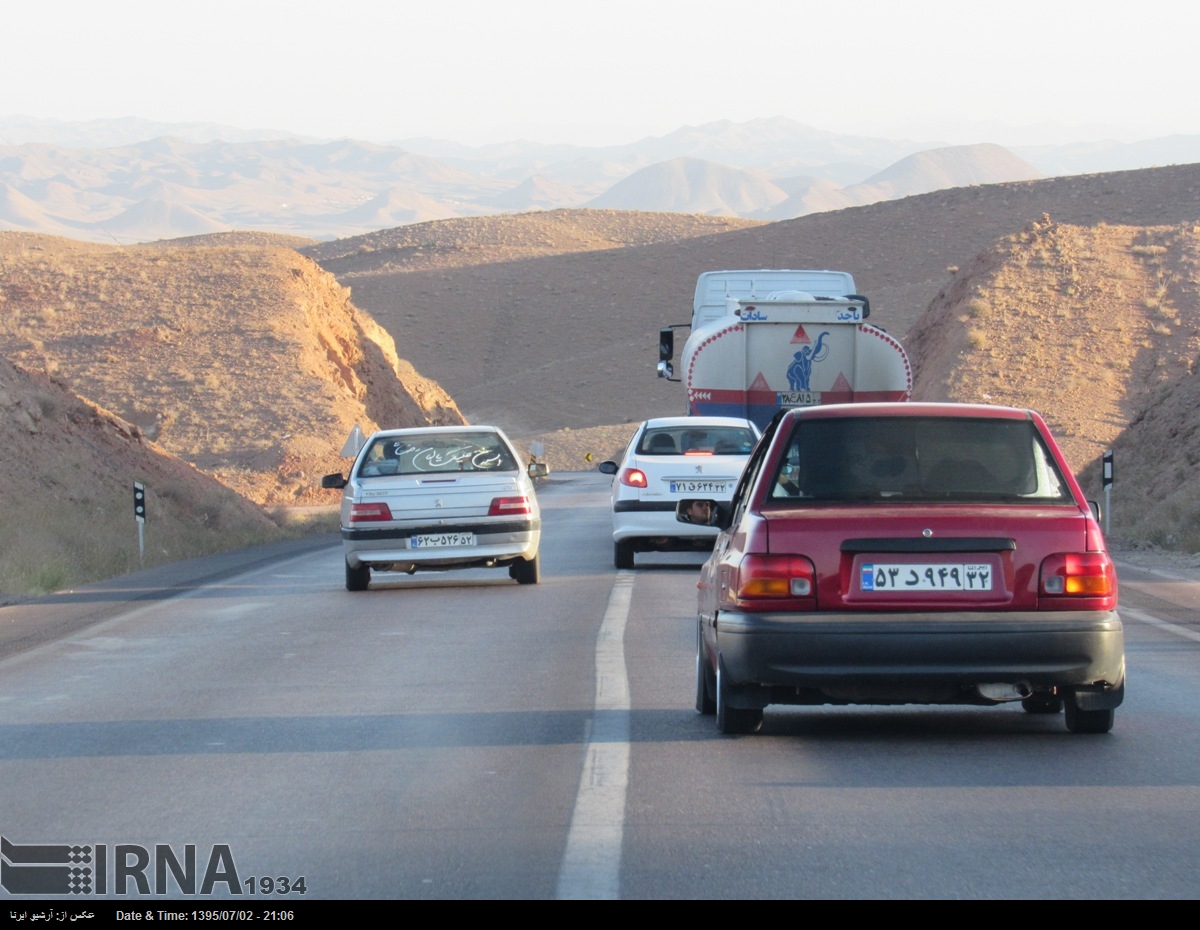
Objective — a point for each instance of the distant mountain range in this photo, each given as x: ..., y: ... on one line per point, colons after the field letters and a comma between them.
x: 134, y: 180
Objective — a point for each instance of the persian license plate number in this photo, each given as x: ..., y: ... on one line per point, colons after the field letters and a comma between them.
x: 440, y: 540
x: 694, y: 487
x: 958, y: 576
x: 799, y: 398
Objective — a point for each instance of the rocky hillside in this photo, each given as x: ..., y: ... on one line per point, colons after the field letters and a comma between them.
x: 1099, y: 329
x: 242, y: 358
x: 66, y: 506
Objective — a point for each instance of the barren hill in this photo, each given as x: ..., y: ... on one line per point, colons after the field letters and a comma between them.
x: 1099, y: 329
x: 938, y: 169
x: 67, y: 501
x: 247, y: 361
x: 537, y: 341
x: 692, y: 185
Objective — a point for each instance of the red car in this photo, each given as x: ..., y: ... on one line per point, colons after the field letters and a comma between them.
x: 908, y: 553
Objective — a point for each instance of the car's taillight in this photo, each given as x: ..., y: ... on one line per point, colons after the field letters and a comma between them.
x: 634, y: 477
x: 370, y: 513
x: 774, y: 577
x: 506, y: 506
x: 1078, y: 574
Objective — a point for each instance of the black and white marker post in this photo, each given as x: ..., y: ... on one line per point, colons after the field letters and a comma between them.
x: 139, y: 514
x: 1108, y: 480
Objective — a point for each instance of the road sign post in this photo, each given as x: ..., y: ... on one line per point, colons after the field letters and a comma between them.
x: 1108, y: 481
x: 139, y: 514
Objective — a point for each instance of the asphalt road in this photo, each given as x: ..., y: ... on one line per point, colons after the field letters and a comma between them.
x: 458, y: 736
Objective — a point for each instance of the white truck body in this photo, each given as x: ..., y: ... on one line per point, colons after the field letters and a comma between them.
x: 771, y: 338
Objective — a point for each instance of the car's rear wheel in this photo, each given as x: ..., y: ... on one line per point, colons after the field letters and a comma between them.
x: 733, y: 720
x: 705, y: 703
x: 623, y: 554
x: 1088, y: 721
x: 526, y: 571
x: 1043, y: 704
x: 357, y: 579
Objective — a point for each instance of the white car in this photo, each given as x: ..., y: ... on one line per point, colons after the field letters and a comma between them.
x: 438, y: 497
x: 669, y: 459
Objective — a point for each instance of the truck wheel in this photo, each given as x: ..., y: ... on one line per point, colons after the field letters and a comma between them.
x: 623, y: 554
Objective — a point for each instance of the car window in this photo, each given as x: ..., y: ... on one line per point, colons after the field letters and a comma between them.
x: 691, y: 440
x: 749, y: 478
x: 415, y: 454
x: 917, y: 459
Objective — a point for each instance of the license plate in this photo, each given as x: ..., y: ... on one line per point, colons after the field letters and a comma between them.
x: 699, y: 487
x: 926, y: 577
x: 440, y: 540
x: 799, y: 398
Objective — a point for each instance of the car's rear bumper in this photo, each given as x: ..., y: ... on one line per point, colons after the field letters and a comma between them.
x: 493, y: 541
x: 929, y: 656
x: 647, y: 519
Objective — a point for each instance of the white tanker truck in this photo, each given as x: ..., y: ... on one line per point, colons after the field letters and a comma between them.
x: 771, y: 338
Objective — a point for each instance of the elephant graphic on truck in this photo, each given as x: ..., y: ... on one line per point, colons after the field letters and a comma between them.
x: 799, y: 373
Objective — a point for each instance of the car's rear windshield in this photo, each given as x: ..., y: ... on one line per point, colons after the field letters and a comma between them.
x: 692, y: 440
x: 420, y: 453
x: 920, y: 459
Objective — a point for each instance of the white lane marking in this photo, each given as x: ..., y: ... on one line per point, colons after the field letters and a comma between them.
x: 591, y: 866
x: 1161, y: 624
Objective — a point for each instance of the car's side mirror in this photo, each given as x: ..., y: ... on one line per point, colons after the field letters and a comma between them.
x: 336, y: 480
x: 607, y: 468
x: 703, y: 513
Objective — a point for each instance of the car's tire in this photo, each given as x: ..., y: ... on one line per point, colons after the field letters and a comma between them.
x: 623, y: 554
x: 1043, y: 704
x: 357, y: 579
x: 1088, y: 721
x: 734, y: 720
x: 526, y: 571
x: 706, y: 704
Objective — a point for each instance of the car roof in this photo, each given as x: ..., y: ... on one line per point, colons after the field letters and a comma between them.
x: 910, y: 409
x: 423, y: 430
x: 698, y: 422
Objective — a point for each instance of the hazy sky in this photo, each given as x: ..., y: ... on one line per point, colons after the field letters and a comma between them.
x: 1013, y: 71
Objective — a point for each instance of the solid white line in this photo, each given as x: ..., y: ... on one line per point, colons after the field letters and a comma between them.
x: 1161, y: 624
x: 591, y: 864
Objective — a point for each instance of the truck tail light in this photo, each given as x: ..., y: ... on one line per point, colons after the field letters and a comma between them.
x: 1079, y: 574
x: 507, y: 506
x: 775, y: 577
x: 634, y: 478
x: 370, y: 513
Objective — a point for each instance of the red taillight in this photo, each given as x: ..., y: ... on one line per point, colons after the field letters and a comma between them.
x: 506, y: 506
x: 775, y: 577
x: 370, y: 513
x: 1078, y: 574
x: 634, y: 477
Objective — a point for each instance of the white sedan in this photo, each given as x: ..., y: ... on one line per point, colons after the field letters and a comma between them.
x: 669, y: 459
x: 438, y: 497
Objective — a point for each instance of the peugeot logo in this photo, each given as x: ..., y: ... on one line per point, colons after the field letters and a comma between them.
x: 927, y: 533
